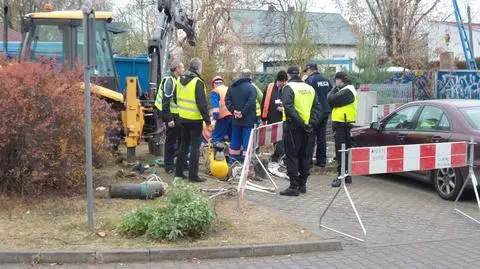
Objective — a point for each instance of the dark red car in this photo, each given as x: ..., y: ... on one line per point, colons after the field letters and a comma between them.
x: 429, y: 122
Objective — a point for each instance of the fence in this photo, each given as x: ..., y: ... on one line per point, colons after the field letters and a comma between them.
x: 391, y: 93
x: 403, y: 158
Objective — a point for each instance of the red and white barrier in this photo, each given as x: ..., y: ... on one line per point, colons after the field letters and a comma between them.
x: 403, y: 158
x: 269, y: 134
x: 385, y: 110
x: 260, y: 136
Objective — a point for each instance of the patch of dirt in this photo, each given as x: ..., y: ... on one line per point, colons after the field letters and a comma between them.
x: 60, y: 223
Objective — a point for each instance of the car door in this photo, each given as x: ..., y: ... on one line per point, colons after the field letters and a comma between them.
x: 432, y: 126
x: 397, y: 127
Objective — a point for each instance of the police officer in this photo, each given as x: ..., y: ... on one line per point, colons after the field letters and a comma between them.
x: 192, y: 109
x: 343, y: 100
x: 302, y: 113
x: 165, y: 102
x: 322, y: 87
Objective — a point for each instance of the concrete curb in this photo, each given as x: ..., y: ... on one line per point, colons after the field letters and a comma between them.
x: 157, y: 255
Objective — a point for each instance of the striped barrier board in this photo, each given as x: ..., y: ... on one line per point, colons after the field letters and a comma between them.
x: 385, y: 110
x: 269, y: 134
x: 403, y: 158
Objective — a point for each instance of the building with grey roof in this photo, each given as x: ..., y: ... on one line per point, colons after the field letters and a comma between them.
x: 264, y: 34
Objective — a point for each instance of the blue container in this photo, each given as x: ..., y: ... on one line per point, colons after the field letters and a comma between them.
x: 132, y: 67
x: 126, y: 66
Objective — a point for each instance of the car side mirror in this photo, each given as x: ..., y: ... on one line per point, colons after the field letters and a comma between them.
x: 376, y: 126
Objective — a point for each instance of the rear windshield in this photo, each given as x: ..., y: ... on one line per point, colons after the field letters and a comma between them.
x: 472, y: 114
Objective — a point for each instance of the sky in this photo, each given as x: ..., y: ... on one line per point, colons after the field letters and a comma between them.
x: 329, y: 6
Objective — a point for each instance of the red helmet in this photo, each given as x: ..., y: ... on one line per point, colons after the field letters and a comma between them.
x: 216, y: 78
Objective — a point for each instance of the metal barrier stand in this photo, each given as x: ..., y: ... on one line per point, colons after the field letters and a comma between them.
x: 255, y: 187
x: 472, y: 178
x: 344, y: 187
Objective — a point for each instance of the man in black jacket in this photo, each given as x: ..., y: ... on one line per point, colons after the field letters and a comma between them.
x: 193, y: 110
x: 241, y: 102
x: 343, y: 100
x: 170, y: 114
x: 322, y: 87
x: 272, y: 109
x: 302, y: 112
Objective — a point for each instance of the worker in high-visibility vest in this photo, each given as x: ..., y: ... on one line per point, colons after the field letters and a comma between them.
x: 240, y: 101
x: 343, y: 101
x: 166, y: 103
x: 272, y: 109
x: 258, y: 109
x: 302, y: 111
x: 191, y: 98
x: 221, y: 116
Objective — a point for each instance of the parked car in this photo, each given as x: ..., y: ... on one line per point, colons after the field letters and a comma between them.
x: 430, y: 121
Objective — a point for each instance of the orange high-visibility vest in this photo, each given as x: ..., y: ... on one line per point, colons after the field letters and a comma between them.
x: 223, y: 111
x: 268, y: 96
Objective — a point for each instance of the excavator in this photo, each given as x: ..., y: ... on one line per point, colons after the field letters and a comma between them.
x: 57, y: 36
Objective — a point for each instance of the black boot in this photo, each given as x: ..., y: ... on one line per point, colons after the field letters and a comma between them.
x: 302, y: 185
x: 336, y: 182
x: 348, y: 180
x: 292, y: 190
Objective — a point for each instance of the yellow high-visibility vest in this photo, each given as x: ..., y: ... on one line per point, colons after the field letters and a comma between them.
x: 159, y: 99
x: 187, y: 105
x: 258, y: 110
x: 349, y: 111
x: 304, y: 96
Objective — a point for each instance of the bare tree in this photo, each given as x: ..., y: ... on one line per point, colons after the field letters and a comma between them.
x: 215, y: 39
x: 399, y: 23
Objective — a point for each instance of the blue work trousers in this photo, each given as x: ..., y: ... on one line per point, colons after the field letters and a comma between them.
x: 223, y: 128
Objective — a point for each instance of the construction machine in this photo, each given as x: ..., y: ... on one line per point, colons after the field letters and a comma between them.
x: 57, y: 36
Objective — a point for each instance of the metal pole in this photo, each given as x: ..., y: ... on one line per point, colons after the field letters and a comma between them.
x: 473, y: 179
x: 5, y: 32
x: 470, y: 31
x: 87, y: 12
x: 343, y: 175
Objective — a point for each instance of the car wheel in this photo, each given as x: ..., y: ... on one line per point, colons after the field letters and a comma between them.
x: 448, y: 182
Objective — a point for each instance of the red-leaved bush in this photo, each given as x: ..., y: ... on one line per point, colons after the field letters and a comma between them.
x: 42, y: 138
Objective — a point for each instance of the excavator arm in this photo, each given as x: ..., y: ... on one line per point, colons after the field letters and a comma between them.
x: 171, y: 16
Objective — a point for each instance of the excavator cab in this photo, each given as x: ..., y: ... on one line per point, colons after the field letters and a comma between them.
x: 57, y: 37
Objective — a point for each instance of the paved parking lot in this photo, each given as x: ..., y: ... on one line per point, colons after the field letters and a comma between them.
x: 408, y: 226
x: 395, y: 210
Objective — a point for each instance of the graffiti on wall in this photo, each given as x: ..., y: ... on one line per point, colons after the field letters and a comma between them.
x: 458, y: 85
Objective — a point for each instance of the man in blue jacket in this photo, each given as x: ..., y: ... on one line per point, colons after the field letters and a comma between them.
x: 241, y: 102
x: 322, y: 87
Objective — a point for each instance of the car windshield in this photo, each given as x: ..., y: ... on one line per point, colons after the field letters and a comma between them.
x: 472, y: 114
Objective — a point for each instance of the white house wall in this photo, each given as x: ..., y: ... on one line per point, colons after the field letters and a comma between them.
x: 436, y: 41
x: 270, y: 53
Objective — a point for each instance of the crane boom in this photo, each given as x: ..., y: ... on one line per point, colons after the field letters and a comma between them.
x: 466, y: 45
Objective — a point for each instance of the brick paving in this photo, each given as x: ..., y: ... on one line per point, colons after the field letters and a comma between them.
x: 408, y: 226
